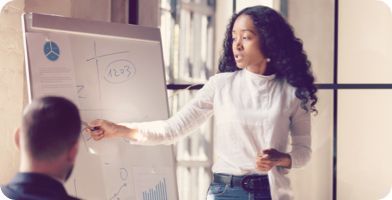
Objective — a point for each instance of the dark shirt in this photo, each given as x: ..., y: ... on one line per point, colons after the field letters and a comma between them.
x: 34, y: 186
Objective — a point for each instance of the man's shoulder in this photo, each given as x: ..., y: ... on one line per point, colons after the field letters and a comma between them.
x: 2, y: 195
x: 72, y: 198
x: 29, y: 191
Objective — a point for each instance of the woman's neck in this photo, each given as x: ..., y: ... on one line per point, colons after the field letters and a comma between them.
x: 262, y: 70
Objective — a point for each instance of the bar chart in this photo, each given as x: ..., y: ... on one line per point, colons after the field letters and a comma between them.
x: 158, y: 192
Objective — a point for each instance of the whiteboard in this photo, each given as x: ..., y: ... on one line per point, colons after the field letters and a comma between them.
x: 114, y: 72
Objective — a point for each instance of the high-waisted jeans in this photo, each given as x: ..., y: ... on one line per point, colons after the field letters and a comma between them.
x: 248, y: 187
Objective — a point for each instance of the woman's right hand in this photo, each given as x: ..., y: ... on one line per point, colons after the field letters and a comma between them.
x: 100, y: 128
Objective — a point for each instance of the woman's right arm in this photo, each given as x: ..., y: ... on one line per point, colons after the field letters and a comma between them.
x: 193, y: 114
x: 101, y: 128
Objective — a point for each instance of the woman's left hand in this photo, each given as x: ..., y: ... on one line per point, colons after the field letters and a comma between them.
x: 270, y: 158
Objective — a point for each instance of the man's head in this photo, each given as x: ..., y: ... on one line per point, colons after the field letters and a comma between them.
x: 48, y: 138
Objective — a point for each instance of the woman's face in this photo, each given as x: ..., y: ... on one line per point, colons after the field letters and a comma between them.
x: 246, y: 49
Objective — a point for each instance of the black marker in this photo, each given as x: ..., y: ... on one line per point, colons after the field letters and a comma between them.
x: 90, y: 128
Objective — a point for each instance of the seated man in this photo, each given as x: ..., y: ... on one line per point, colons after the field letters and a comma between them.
x: 48, y: 145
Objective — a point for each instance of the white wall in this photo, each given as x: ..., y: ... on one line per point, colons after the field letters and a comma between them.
x: 313, y: 23
x: 11, y: 85
x: 364, y: 129
x: 365, y: 42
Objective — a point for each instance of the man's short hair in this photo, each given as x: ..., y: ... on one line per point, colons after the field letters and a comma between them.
x: 51, y: 126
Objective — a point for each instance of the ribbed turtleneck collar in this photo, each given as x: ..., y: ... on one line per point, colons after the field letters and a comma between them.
x: 258, y: 77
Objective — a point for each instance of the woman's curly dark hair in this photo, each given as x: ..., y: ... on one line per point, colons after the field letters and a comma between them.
x: 277, y: 42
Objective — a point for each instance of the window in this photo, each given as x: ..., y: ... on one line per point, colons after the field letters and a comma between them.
x: 187, y: 29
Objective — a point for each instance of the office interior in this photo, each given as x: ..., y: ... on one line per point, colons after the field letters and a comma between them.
x: 348, y: 43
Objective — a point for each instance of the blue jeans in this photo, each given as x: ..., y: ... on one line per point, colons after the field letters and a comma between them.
x: 219, y: 190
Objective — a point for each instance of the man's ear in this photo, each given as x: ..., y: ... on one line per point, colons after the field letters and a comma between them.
x: 17, y: 138
x: 73, y: 152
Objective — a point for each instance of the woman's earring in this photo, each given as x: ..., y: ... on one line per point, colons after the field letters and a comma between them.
x: 268, y: 59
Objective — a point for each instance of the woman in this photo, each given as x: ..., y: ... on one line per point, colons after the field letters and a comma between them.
x: 263, y: 95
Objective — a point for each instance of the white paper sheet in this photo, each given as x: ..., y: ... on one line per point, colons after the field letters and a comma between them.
x: 51, y: 66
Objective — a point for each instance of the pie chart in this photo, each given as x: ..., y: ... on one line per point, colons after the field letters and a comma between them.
x: 51, y: 50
